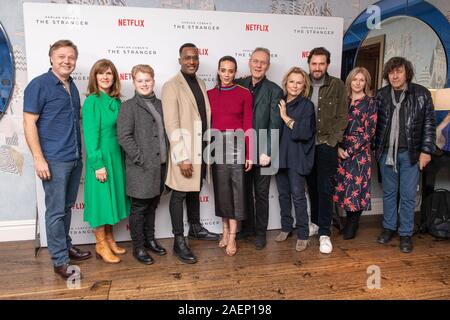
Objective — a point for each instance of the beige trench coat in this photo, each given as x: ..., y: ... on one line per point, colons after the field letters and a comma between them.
x: 184, y: 130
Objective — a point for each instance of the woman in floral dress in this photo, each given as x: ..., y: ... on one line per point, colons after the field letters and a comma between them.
x: 354, y: 165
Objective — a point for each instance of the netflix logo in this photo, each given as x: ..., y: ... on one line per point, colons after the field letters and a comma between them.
x: 78, y: 206
x: 125, y: 76
x: 131, y: 23
x: 203, y: 51
x: 305, y: 54
x: 257, y: 27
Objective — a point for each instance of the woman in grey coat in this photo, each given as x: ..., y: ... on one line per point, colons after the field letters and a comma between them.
x: 140, y: 131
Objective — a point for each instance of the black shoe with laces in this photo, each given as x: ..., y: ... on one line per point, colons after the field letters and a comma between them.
x: 244, y: 234
x: 386, y: 236
x: 142, y: 256
x: 155, y: 247
x: 406, y: 244
x: 182, y: 250
x: 260, y: 242
x: 198, y: 232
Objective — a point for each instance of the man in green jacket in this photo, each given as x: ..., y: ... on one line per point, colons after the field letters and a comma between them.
x: 330, y: 103
x: 266, y: 123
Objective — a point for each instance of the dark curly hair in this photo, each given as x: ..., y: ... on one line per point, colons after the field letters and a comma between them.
x: 320, y: 51
x: 396, y: 62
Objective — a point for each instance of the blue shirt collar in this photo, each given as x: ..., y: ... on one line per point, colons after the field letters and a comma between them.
x: 55, y: 79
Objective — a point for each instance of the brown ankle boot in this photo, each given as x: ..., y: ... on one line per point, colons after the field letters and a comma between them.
x: 111, y: 242
x: 102, y: 249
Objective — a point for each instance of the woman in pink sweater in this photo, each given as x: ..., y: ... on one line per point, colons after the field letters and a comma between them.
x: 231, y: 117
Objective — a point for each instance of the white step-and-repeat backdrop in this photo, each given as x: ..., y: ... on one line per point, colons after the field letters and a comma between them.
x: 130, y: 36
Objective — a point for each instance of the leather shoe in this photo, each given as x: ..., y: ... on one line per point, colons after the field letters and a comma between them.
x: 77, y: 254
x: 198, y: 232
x: 243, y: 234
x: 142, y: 256
x: 155, y: 247
x: 406, y: 244
x: 64, y: 272
x: 385, y: 236
x: 182, y: 250
x: 260, y: 242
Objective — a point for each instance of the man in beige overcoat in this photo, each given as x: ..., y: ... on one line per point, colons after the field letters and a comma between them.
x: 187, y: 115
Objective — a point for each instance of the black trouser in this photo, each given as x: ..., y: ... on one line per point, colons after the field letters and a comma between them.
x: 142, y: 220
x: 321, y: 187
x: 176, y: 209
x: 142, y: 216
x: 257, y: 220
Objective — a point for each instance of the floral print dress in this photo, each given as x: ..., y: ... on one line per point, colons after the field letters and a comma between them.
x: 352, y: 188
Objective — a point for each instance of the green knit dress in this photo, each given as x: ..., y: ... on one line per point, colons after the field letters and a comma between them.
x: 107, y: 202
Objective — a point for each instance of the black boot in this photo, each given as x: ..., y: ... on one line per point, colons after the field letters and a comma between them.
x: 347, y: 224
x: 406, y: 244
x: 142, y: 256
x: 182, y: 250
x: 386, y: 236
x: 154, y: 245
x: 198, y: 232
x: 351, y: 226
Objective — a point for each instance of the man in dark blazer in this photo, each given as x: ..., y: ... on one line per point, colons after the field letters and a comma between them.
x: 266, y: 96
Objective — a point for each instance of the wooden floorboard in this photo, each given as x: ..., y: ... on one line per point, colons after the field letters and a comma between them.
x: 278, y: 272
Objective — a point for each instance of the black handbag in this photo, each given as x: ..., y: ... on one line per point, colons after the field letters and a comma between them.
x: 437, y: 214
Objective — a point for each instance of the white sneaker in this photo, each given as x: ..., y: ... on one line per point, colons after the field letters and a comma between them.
x: 325, y: 244
x: 313, y: 229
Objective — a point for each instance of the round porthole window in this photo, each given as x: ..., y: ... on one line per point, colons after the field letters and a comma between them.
x: 6, y: 71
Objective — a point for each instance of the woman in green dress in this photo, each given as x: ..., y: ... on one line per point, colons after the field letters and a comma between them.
x: 105, y: 200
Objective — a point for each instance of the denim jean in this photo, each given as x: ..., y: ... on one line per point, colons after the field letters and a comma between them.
x: 291, y: 188
x: 405, y: 181
x: 60, y: 195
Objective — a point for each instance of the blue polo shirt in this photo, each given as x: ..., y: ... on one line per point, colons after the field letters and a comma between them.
x: 59, y: 116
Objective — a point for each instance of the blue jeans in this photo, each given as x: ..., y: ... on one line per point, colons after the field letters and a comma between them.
x: 60, y: 195
x: 292, y: 185
x: 405, y: 181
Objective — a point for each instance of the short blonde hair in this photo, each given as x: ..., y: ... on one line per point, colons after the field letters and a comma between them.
x: 352, y: 75
x: 298, y: 70
x: 144, y: 68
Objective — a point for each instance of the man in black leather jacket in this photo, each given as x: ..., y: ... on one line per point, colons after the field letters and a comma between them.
x: 405, y: 139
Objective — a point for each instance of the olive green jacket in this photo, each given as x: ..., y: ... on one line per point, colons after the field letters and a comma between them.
x: 332, y: 114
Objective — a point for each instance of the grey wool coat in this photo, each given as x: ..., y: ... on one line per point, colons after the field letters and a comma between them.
x: 137, y: 133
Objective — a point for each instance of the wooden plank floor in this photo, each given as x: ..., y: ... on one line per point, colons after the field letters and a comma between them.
x: 277, y: 272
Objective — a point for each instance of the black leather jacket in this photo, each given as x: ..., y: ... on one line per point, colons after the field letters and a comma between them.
x: 420, y: 126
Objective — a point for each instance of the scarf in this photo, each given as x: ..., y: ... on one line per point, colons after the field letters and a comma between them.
x: 149, y: 100
x: 391, y: 159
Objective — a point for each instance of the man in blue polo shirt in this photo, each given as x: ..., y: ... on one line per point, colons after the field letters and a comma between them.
x: 51, y: 121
